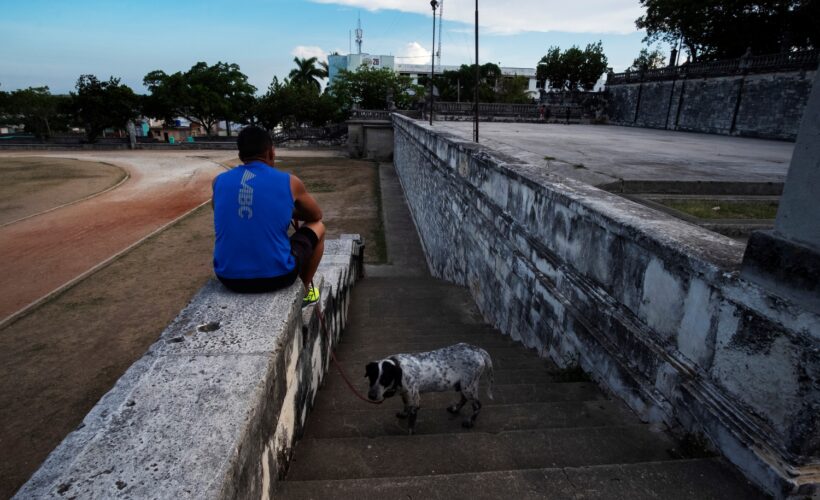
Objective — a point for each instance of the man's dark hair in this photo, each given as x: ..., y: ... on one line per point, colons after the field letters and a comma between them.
x: 253, y: 142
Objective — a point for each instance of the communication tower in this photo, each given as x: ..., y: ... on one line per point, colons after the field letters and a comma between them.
x: 359, y: 36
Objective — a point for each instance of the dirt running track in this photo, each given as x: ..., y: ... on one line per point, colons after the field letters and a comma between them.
x: 42, y: 253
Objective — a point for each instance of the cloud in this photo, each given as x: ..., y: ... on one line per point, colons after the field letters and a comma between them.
x: 413, y: 53
x: 517, y: 16
x: 307, y: 51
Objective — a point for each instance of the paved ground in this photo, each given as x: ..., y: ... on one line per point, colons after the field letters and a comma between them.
x: 545, y: 435
x: 601, y: 154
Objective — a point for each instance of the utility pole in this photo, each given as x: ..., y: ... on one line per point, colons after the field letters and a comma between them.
x: 477, y: 72
x: 440, y: 28
x: 434, y: 5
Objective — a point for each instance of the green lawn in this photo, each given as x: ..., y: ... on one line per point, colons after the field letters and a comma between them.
x: 719, y: 209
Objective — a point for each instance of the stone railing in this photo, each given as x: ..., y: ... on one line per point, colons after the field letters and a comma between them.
x: 651, y: 307
x: 487, y: 109
x: 370, y: 114
x: 213, y: 408
x: 311, y: 135
x: 770, y: 63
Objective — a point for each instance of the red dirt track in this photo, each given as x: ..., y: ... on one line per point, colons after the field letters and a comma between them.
x: 40, y: 254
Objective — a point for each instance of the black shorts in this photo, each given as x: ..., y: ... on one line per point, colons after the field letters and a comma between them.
x: 302, y: 245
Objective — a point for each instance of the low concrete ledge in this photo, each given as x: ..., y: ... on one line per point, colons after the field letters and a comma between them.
x: 213, y: 408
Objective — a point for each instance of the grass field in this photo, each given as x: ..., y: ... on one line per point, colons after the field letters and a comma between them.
x: 720, y: 209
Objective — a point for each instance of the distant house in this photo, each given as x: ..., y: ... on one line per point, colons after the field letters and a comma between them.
x: 180, y: 129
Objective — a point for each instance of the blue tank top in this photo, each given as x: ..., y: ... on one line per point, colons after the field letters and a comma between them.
x: 253, y: 206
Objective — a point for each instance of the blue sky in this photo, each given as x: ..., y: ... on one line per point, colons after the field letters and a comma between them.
x: 52, y: 42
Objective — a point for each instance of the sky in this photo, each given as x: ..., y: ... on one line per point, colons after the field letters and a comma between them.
x: 52, y: 42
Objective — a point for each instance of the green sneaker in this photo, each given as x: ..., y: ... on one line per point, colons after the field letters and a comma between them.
x: 311, y: 297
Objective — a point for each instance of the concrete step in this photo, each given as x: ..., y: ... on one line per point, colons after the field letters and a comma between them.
x: 377, y: 330
x: 671, y: 480
x: 497, y: 351
x: 339, y: 398
x: 334, y: 382
x: 499, y: 363
x: 407, y: 333
x: 381, y: 420
x: 424, y: 455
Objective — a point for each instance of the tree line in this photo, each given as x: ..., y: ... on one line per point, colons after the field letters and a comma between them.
x: 206, y: 94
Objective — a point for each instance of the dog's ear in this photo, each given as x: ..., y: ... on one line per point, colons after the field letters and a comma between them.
x: 371, y: 371
x: 391, y: 373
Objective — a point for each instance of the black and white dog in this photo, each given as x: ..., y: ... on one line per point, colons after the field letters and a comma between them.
x: 458, y: 367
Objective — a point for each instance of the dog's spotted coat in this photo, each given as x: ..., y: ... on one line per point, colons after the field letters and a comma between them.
x: 458, y: 367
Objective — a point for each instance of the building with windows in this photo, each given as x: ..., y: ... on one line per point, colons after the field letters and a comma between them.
x: 352, y: 62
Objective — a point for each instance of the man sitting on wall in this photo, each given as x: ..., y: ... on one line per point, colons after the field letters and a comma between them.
x: 253, y: 207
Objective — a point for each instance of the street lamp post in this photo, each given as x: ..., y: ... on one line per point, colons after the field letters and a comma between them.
x: 434, y: 5
x: 477, y: 72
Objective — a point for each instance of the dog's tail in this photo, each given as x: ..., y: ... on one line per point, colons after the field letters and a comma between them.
x: 488, y: 365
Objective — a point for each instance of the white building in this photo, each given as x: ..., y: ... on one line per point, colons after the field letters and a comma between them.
x: 352, y: 62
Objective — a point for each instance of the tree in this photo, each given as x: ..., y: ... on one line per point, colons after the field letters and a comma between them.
x: 205, y: 94
x: 269, y: 109
x: 306, y: 72
x: 292, y: 105
x: 453, y: 85
x: 573, y: 69
x: 721, y: 29
x: 38, y: 110
x: 99, y: 105
x: 369, y: 88
x: 4, y: 106
x: 513, y: 90
x: 647, y: 60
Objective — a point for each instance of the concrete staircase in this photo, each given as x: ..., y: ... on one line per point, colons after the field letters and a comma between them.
x: 547, y: 434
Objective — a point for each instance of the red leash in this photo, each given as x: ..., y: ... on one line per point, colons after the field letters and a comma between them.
x: 330, y: 342
x: 336, y: 362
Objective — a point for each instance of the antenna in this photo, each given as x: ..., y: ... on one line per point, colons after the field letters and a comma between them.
x: 359, y: 35
x: 440, y: 24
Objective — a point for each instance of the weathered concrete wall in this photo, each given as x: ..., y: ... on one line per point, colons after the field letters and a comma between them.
x: 213, y: 408
x: 651, y: 307
x: 755, y: 105
x: 371, y: 139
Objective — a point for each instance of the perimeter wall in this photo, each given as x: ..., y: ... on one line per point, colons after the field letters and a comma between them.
x: 653, y: 308
x: 757, y: 105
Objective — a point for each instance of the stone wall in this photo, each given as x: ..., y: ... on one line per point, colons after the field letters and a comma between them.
x: 213, y: 408
x: 370, y: 139
x: 653, y: 308
x: 767, y: 105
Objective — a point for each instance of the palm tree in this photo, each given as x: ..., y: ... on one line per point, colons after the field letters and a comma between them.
x: 306, y: 72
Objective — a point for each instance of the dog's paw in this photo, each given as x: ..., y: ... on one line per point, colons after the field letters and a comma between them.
x: 453, y: 409
x: 467, y: 424
x: 401, y: 414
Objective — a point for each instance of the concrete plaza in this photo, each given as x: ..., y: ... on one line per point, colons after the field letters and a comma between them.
x: 604, y: 154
